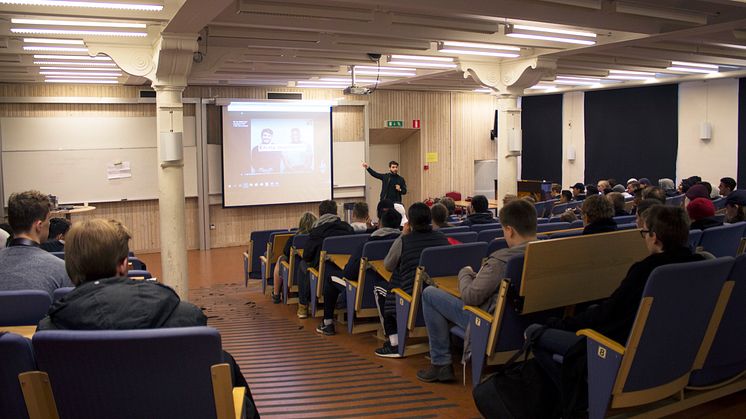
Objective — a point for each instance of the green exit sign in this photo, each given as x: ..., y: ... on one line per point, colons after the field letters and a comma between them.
x: 394, y: 124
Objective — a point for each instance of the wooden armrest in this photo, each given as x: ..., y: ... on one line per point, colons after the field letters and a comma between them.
x: 263, y: 259
x: 37, y: 393
x: 285, y: 264
x: 480, y: 313
x: 400, y: 292
x: 225, y: 399
x: 239, y: 394
x: 314, y: 271
x: 603, y: 340
x: 350, y: 282
x: 246, y: 255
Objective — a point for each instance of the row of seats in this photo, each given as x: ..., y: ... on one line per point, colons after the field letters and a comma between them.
x: 157, y: 373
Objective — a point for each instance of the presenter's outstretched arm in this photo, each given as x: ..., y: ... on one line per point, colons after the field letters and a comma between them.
x: 373, y: 172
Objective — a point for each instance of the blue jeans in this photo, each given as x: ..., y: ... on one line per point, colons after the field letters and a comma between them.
x: 439, y: 308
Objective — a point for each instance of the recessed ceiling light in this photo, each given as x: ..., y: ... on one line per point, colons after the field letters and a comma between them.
x: 53, y: 41
x: 72, y: 57
x: 87, y: 81
x: 87, y: 4
x: 86, y: 23
x: 53, y: 49
x: 555, y: 30
x: 66, y: 32
x: 692, y: 70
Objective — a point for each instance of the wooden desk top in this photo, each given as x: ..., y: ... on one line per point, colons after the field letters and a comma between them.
x: 377, y: 266
x: 339, y: 260
x: 77, y: 209
x: 25, y: 331
x: 448, y: 284
x: 465, y: 204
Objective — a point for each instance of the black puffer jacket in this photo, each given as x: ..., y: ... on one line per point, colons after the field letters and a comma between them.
x: 312, y: 250
x: 479, y: 218
x: 121, y: 304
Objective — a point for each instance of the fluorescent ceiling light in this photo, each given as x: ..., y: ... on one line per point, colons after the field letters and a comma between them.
x: 729, y: 45
x: 93, y: 70
x: 66, y: 32
x: 87, y: 4
x: 73, y: 73
x: 483, y: 53
x: 53, y: 41
x: 542, y: 87
x: 81, y: 63
x: 578, y: 78
x: 576, y: 82
x: 690, y: 64
x: 482, y: 90
x: 323, y: 82
x: 555, y: 30
x: 631, y: 73
x: 367, y: 67
x: 420, y: 58
x: 550, y: 34
x: 692, y: 70
x: 87, y: 81
x: 478, y: 45
x: 628, y: 77
x: 86, y: 23
x: 382, y: 74
x: 423, y: 64
x: 72, y: 57
x: 348, y: 80
x: 53, y: 49
x: 92, y: 76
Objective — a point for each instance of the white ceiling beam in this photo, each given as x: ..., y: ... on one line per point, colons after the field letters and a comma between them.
x: 194, y: 15
x: 654, y: 53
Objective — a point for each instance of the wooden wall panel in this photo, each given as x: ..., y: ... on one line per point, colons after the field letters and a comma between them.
x: 472, y: 117
x: 81, y: 90
x: 75, y: 109
x: 348, y: 123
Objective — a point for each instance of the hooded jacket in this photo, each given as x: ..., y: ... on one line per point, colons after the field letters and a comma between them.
x: 328, y: 225
x: 479, y: 218
x: 120, y: 303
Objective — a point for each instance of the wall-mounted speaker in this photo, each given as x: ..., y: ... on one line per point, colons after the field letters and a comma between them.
x: 172, y: 148
x: 705, y: 131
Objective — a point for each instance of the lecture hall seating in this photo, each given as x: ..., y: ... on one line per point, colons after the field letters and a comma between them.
x: 17, y: 357
x: 24, y: 307
x: 361, y: 302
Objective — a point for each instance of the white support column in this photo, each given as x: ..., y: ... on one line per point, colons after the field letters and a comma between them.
x: 508, y: 80
x: 166, y: 65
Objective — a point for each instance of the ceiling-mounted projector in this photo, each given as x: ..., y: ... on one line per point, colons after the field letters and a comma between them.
x: 357, y: 90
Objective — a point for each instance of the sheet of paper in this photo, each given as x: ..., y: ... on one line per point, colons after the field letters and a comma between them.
x: 119, y: 170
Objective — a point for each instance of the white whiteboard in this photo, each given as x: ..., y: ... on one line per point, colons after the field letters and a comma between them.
x: 68, y: 157
x: 347, y: 158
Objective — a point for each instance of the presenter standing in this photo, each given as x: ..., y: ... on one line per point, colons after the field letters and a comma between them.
x: 393, y: 186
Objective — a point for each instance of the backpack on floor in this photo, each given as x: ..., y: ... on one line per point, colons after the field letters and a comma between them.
x: 518, y: 389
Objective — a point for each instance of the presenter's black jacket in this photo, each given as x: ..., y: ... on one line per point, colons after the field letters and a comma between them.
x: 316, y: 236
x: 479, y: 218
x: 120, y: 303
x: 615, y: 316
x: 388, y: 187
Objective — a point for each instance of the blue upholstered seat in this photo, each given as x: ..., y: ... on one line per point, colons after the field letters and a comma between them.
x: 257, y: 246
x: 543, y: 228
x: 675, y: 201
x: 360, y: 298
x: 482, y: 227
x: 17, y: 357
x: 136, y: 274
x: 465, y: 237
x: 61, y: 292
x: 454, y: 229
x: 23, y: 308
x: 723, y: 240
x: 291, y: 269
x: 489, y: 235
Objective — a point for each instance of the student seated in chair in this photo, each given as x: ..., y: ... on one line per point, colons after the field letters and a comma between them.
x: 666, y: 235
x: 360, y: 218
x: 328, y: 225
x: 57, y: 229
x: 597, y: 215
x: 304, y: 226
x: 389, y: 230
x: 440, y: 308
x: 617, y: 201
x: 402, y: 260
x: 105, y: 299
x: 440, y: 216
x: 702, y: 213
x: 479, y: 212
x: 23, y: 265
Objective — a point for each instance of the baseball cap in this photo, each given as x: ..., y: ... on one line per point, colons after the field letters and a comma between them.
x: 578, y: 186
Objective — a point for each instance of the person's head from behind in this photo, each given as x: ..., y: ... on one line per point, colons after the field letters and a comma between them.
x: 617, y: 201
x: 327, y: 206
x: 295, y: 135
x: 440, y: 215
x: 394, y: 167
x: 556, y: 189
x: 654, y: 192
x: 632, y: 187
x: 591, y: 190
x: 305, y: 224
x: 603, y: 185
x: 735, y: 206
x: 391, y: 219
x: 419, y: 217
x: 58, y: 227
x: 267, y: 135
x: 700, y: 208
x: 568, y: 217
x: 518, y: 219
x: 450, y: 204
x: 383, y: 206
x: 360, y: 212
x: 596, y: 208
x: 28, y: 215
x: 666, y: 184
x: 479, y: 203
x: 565, y: 197
x: 642, y: 207
x: 96, y: 249
x: 665, y: 228
x: 726, y: 186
